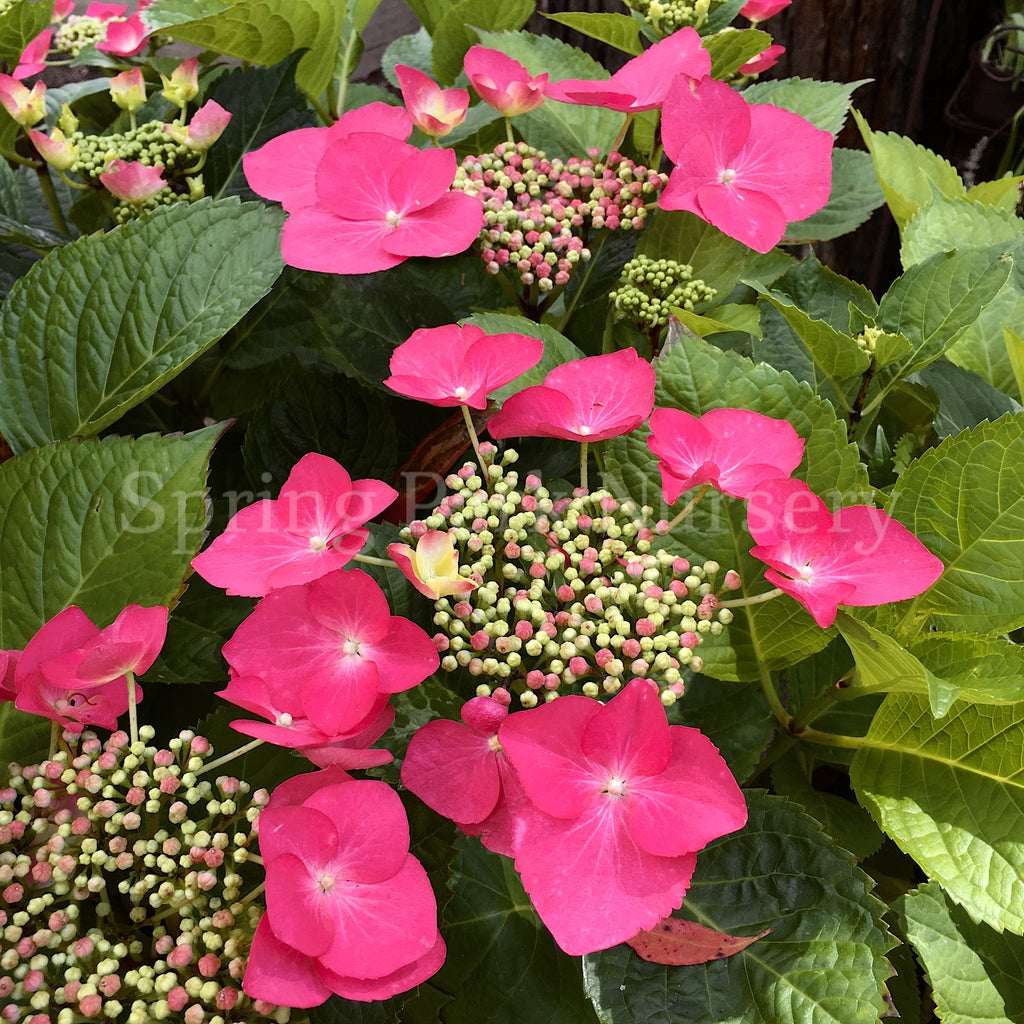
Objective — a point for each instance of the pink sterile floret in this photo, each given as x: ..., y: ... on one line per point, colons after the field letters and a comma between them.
x: 349, y: 909
x: 205, y: 128
x: 288, y: 725
x: 642, y: 83
x: 432, y: 567
x: 125, y: 37
x: 33, y: 57
x: 132, y: 181
x: 435, y: 111
x: 284, y: 169
x: 619, y: 802
x: 748, y: 169
x: 759, y: 10
x: 461, y: 772
x: 453, y: 365
x: 8, y: 665
x: 731, y: 449
x: 766, y: 59
x: 502, y: 82
x: 75, y: 673
x: 858, y: 556
x: 589, y: 399
x: 336, y: 643
x: 313, y: 527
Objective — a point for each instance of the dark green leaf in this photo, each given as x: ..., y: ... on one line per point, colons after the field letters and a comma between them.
x: 455, y: 33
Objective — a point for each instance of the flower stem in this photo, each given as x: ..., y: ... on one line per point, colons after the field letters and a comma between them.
x: 823, y: 702
x: 584, y: 446
x: 508, y: 129
x: 52, y: 202
x: 370, y: 560
x: 622, y: 133
x: 54, y: 736
x: 244, y: 749
x: 690, y: 506
x: 742, y: 602
x: 133, y: 709
x: 471, y: 430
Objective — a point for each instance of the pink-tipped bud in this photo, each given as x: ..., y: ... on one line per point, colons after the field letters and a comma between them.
x: 183, y: 84
x: 128, y: 90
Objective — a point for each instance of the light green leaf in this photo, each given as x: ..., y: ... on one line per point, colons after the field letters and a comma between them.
x: 1015, y: 354
x: 429, y: 12
x: 100, y: 324
x: 976, y: 974
x: 559, y: 129
x: 945, y: 223
x: 618, y: 30
x: 558, y: 349
x: 262, y: 32
x: 20, y: 22
x: 166, y: 13
x: 415, y: 50
x: 824, y: 104
x: 490, y: 920
x: 981, y: 542
x: 1002, y: 192
x: 99, y: 524
x: 731, y: 49
x: 910, y: 174
x: 950, y: 792
x: 455, y: 33
x: 730, y: 317
x: 823, y: 962
x: 855, y: 195
x: 697, y: 377
x: 987, y: 669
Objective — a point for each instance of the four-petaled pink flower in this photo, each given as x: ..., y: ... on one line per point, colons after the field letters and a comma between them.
x: 642, y: 83
x: 432, y: 567
x: 748, y: 169
x: 75, y: 673
x: 857, y: 556
x: 204, y: 129
x: 502, y: 82
x: 435, y: 111
x: 314, y: 526
x: 590, y: 399
x: 619, y: 803
x: 125, y: 37
x: 460, y: 771
x: 132, y: 181
x: 336, y: 643
x: 766, y: 59
x: 453, y: 365
x: 760, y: 10
x: 349, y: 910
x: 731, y: 449
x: 288, y: 725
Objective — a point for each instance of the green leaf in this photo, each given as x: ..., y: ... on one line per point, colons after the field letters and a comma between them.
x: 261, y: 32
x: 20, y: 22
x: 716, y: 258
x: 855, y: 195
x: 976, y: 974
x: 824, y: 960
x: 490, y: 922
x: 944, y: 223
x: 910, y: 175
x: 415, y: 50
x: 429, y: 12
x: 1015, y: 354
x: 315, y: 409
x: 346, y: 1011
x: 824, y: 104
x: 99, y: 524
x: 24, y: 738
x: 731, y: 49
x: 950, y: 792
x: 264, y: 104
x: 1002, y: 192
x: 455, y: 33
x: 559, y: 129
x: 697, y: 377
x: 986, y: 669
x: 981, y: 543
x: 618, y: 30
x: 965, y: 399
x: 730, y: 317
x: 100, y: 324
x: 557, y: 348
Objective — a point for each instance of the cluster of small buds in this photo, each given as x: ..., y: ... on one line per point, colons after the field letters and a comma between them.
x: 649, y: 289
x: 668, y: 16
x: 147, y: 144
x: 121, y: 886
x: 78, y: 31
x: 572, y: 592
x: 539, y: 213
x: 868, y: 339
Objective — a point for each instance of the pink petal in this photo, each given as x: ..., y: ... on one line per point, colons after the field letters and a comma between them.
x: 629, y: 736
x: 350, y: 604
x: 421, y: 179
x: 284, y: 169
x: 382, y: 118
x: 404, y: 658
x: 295, y: 791
x: 401, y: 980
x: 309, y: 835
x: 707, y: 108
x: 294, y: 903
x: 821, y: 597
x: 130, y: 643
x: 750, y: 447
x: 684, y: 448
x: 536, y: 411
x: 353, y: 177
x: 447, y: 226
x: 649, y: 77
x: 281, y: 975
x: 339, y: 696
x: 787, y: 512
x: 315, y: 238
x: 749, y: 216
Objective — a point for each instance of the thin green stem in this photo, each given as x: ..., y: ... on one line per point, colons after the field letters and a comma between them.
x: 742, y: 602
x: 239, y: 752
x: 133, y: 709
x: 54, y: 736
x: 474, y: 440
x: 250, y: 896
x: 622, y: 133
x: 508, y: 131
x: 584, y: 446
x: 52, y: 202
x: 822, y: 702
x: 833, y: 739
x: 689, y: 507
x: 370, y: 560
x: 324, y: 113
x: 768, y: 687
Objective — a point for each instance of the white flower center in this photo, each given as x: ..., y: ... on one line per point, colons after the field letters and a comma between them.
x: 806, y: 573
x: 615, y: 786
x: 461, y: 392
x: 584, y: 430
x: 392, y: 219
x: 727, y: 176
x: 350, y: 648
x: 326, y: 882
x: 318, y: 543
x: 284, y: 720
